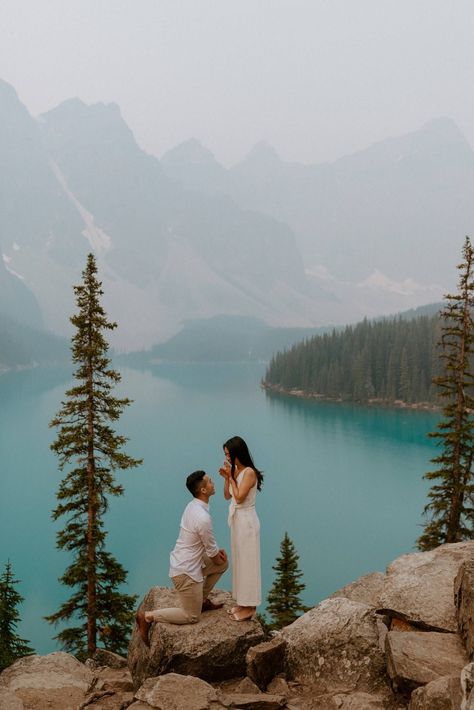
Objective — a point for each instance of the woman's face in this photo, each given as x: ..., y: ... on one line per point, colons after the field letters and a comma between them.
x: 227, y: 455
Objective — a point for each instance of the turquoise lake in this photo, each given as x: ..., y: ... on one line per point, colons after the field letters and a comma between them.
x: 344, y: 481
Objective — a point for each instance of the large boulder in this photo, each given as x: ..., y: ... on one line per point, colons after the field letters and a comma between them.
x: 441, y: 694
x: 176, y: 692
x: 173, y: 691
x: 9, y: 700
x: 213, y: 649
x: 56, y: 670
x: 464, y: 600
x: 102, y: 657
x: 335, y: 646
x: 266, y: 660
x: 366, y: 589
x: 416, y: 658
x: 57, y: 681
x: 419, y: 587
x: 111, y: 688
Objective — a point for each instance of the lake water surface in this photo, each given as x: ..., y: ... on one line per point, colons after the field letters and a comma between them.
x: 344, y: 481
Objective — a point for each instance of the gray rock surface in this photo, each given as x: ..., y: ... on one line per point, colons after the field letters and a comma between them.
x: 336, y: 645
x: 467, y: 687
x: 279, y: 686
x: 366, y: 589
x: 416, y: 658
x: 345, y: 701
x: 247, y: 686
x: 56, y: 670
x: 10, y: 701
x: 106, y: 658
x: 213, y: 649
x: 464, y: 600
x: 57, y: 681
x: 363, y: 701
x: 419, y: 587
x: 441, y: 694
x: 176, y: 692
x: 266, y: 660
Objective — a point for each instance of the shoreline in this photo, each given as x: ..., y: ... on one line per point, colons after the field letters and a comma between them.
x: 372, y: 402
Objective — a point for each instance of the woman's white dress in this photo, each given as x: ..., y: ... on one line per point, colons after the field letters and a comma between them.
x: 245, y: 547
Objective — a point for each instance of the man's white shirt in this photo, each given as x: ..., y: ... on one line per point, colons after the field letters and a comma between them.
x: 195, y: 539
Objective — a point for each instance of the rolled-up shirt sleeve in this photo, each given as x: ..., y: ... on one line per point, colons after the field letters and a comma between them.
x: 207, y: 537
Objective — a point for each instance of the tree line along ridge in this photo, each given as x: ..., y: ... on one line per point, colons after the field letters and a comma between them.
x: 388, y: 360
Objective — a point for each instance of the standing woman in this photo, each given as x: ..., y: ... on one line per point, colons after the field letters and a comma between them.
x: 242, y: 479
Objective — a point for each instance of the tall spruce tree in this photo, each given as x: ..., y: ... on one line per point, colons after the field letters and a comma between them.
x: 450, y: 504
x: 11, y: 645
x: 284, y: 604
x: 87, y: 441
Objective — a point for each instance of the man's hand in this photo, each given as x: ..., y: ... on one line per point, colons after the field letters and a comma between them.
x: 220, y: 558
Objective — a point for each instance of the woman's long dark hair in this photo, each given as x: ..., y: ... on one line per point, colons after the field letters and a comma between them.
x: 238, y: 449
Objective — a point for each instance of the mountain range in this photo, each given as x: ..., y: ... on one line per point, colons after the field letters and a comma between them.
x: 184, y: 238
x: 391, y: 217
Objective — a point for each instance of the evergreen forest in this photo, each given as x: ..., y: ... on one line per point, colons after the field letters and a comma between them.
x: 388, y: 360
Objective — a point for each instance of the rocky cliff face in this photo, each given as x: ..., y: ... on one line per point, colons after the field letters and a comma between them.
x: 362, y: 213
x: 403, y: 639
x: 75, y: 180
x: 185, y: 238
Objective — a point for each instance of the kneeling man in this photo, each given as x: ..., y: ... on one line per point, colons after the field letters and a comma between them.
x: 196, y: 563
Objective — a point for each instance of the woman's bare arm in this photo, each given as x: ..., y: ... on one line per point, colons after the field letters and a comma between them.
x: 241, y: 492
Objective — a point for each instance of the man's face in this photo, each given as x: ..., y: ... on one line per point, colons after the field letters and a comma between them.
x: 207, y: 486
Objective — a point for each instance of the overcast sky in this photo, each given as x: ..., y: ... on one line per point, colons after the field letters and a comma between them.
x: 315, y: 78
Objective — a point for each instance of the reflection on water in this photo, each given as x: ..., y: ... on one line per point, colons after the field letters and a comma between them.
x: 344, y: 481
x: 402, y: 424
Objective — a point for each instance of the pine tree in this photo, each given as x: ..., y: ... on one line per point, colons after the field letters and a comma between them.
x: 11, y: 645
x: 283, y: 598
x: 451, y: 500
x: 87, y: 441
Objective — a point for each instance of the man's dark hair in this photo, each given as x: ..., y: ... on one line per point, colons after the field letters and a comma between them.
x: 193, y: 481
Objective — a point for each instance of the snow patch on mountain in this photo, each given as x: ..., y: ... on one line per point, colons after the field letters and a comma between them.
x: 6, y: 260
x: 99, y: 240
x: 379, y: 281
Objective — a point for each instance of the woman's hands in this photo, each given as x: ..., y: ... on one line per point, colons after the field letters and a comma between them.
x: 225, y: 472
x: 225, y: 469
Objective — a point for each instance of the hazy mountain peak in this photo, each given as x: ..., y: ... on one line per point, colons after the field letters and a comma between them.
x: 444, y: 132
x: 13, y: 111
x: 262, y: 153
x: 442, y: 126
x: 7, y: 91
x: 76, y: 107
x: 439, y: 140
x: 102, y: 121
x: 189, y: 151
x: 75, y: 113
